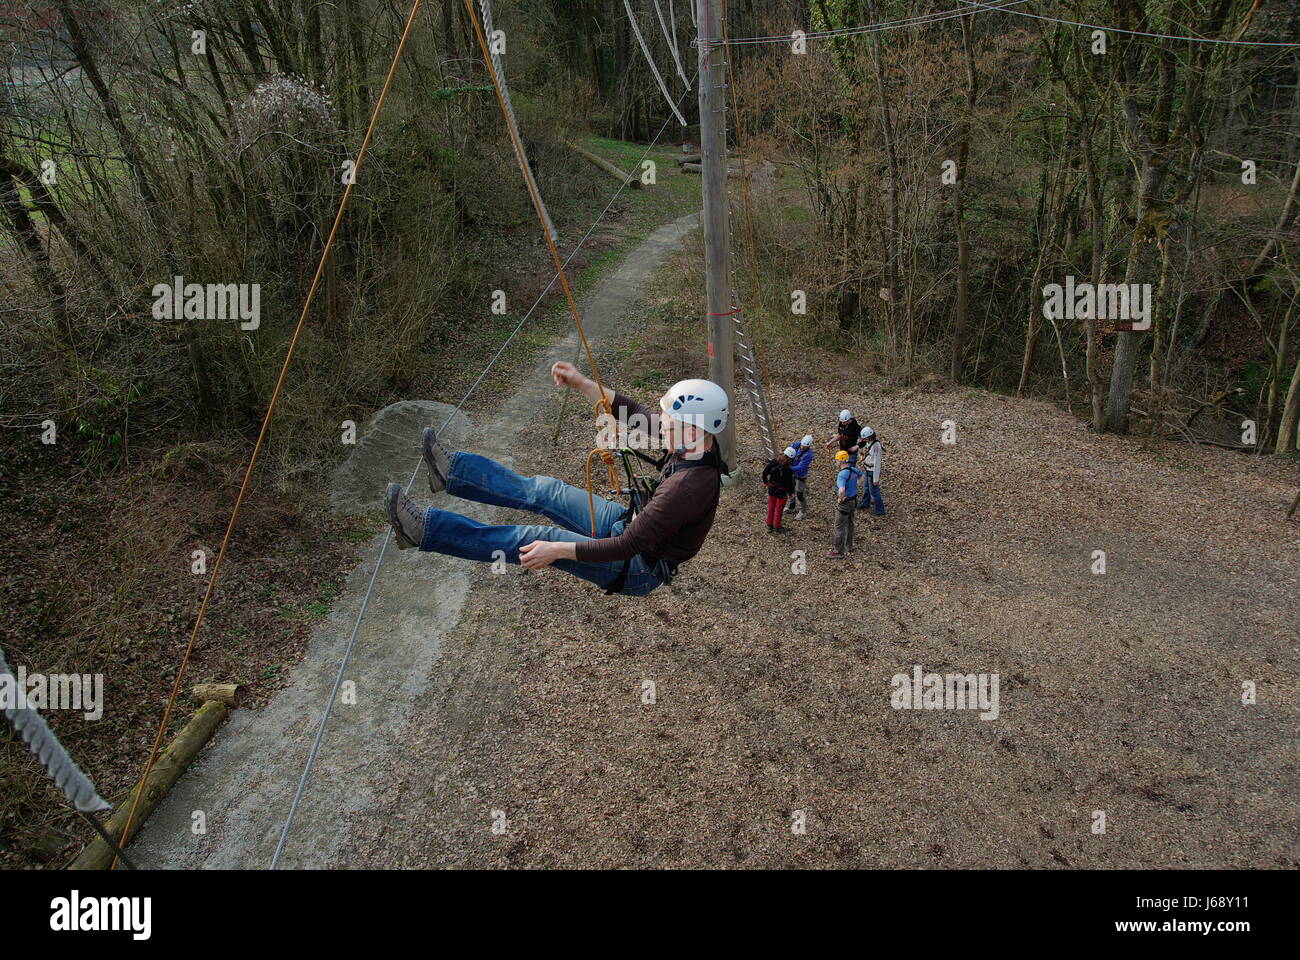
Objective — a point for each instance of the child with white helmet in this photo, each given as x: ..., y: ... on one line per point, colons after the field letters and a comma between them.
x: 779, y: 482
x: 872, y: 456
x: 802, y: 459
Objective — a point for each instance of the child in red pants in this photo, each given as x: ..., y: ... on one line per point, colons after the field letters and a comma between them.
x: 779, y: 480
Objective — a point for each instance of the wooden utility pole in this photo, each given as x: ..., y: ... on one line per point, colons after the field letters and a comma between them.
x: 717, y: 233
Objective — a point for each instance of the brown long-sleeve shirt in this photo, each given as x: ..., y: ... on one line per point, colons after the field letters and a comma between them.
x: 675, y: 521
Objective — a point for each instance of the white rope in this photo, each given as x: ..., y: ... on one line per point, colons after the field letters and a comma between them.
x: 671, y: 41
x: 40, y: 740
x: 516, y: 140
x: 663, y: 87
x: 672, y: 22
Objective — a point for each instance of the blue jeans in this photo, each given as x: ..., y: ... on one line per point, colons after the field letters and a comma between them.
x: 485, y: 481
x: 872, y: 493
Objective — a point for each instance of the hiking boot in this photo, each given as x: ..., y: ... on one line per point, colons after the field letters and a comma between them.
x: 799, y: 515
x: 835, y: 555
x: 769, y: 528
x: 436, y: 459
x: 407, y: 518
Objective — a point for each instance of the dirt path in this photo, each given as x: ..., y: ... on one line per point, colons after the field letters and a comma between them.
x: 244, y: 783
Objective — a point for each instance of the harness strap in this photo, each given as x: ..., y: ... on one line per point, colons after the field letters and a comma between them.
x: 650, y: 560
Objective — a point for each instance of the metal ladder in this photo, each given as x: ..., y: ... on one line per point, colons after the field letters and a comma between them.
x: 754, y: 383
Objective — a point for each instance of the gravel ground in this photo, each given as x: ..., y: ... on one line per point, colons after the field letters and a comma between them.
x: 1119, y: 692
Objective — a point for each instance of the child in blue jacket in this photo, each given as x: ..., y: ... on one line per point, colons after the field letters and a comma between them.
x: 799, y: 465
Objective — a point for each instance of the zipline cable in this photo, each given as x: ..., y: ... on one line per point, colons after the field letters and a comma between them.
x: 1138, y: 33
x: 365, y: 600
x: 266, y: 421
x: 915, y: 20
x: 936, y: 17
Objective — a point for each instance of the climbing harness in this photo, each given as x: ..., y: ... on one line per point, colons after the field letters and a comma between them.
x: 641, y: 489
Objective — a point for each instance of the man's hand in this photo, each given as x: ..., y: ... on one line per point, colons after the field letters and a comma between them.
x: 542, y: 553
x: 566, y: 374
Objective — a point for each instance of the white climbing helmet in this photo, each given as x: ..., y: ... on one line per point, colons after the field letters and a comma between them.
x: 846, y: 416
x: 791, y: 452
x: 868, y: 433
x: 701, y: 403
x: 806, y: 441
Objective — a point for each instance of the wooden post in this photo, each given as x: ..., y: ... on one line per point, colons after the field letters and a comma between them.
x: 717, y: 232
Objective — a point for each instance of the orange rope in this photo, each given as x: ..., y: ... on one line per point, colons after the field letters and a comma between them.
x: 522, y: 157
x: 591, y: 493
x: 266, y: 422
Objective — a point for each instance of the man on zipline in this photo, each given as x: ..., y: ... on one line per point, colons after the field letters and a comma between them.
x: 629, y: 554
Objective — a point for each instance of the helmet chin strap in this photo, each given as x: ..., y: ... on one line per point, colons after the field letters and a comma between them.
x: 684, y: 448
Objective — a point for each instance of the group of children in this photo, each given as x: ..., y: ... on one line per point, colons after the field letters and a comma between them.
x: 786, y: 480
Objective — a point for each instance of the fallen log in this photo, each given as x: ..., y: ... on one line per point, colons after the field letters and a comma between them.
x: 231, y: 694
x: 166, y: 771
x: 630, y: 179
x: 699, y: 168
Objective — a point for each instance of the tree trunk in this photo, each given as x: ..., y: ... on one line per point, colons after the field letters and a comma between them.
x: 1283, y: 221
x: 144, y: 183
x: 1048, y: 228
x: 960, y: 310
x: 1286, y: 434
x: 24, y: 229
